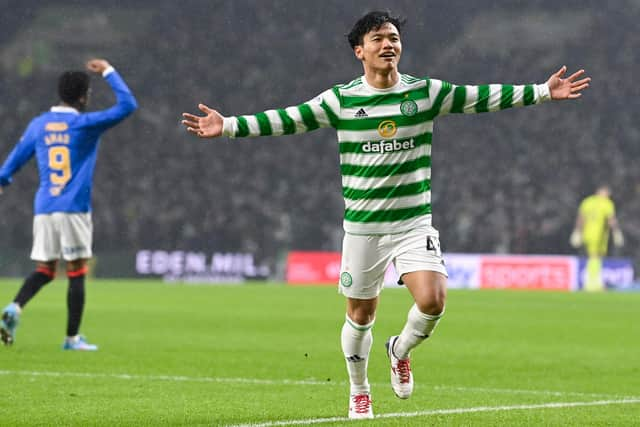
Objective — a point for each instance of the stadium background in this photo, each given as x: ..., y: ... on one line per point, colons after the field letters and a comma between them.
x: 505, y: 183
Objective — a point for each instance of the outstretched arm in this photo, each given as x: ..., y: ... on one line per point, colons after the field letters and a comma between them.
x: 469, y: 99
x: 567, y: 88
x: 321, y: 111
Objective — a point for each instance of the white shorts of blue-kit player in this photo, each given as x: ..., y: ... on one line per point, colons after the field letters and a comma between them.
x: 62, y: 235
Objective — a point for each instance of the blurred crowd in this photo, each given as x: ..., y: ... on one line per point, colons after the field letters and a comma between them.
x: 508, y: 182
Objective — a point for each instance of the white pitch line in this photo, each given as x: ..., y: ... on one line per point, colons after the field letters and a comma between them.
x: 176, y: 378
x: 539, y: 392
x: 451, y: 411
x: 284, y: 381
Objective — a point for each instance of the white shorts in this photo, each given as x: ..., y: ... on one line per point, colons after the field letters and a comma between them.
x: 62, y: 235
x: 365, y: 259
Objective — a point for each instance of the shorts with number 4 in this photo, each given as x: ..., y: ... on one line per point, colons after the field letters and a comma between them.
x: 365, y: 259
x: 62, y: 235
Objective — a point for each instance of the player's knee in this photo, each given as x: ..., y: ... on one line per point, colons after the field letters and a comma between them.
x: 77, y: 272
x: 360, y: 311
x: 361, y: 317
x: 76, y: 264
x: 433, y: 304
x: 47, y: 268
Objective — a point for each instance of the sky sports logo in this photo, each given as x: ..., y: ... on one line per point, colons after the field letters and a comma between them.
x: 388, y: 146
x: 519, y: 272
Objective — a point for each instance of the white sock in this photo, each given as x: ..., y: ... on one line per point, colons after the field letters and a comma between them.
x: 356, y: 345
x: 418, y: 328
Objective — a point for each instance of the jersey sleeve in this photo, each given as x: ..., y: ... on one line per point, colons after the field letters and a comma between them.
x: 451, y: 98
x: 125, y: 105
x: 321, y: 111
x: 582, y: 208
x: 611, y: 209
x: 21, y: 153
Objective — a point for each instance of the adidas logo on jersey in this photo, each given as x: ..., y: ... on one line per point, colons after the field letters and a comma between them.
x: 361, y: 113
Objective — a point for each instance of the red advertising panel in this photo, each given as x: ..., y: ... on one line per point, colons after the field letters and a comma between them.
x: 528, y: 272
x: 317, y: 268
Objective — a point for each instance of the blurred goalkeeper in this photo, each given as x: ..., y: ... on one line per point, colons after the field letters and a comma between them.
x: 64, y: 142
x: 595, y: 220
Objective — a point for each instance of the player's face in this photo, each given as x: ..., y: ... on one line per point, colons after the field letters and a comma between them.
x: 381, y: 48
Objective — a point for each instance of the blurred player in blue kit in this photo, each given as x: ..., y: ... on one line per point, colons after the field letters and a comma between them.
x: 65, y: 142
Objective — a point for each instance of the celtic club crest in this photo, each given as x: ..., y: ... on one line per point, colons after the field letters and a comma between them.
x: 409, y: 108
x: 346, y: 280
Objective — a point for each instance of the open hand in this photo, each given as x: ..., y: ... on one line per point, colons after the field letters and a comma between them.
x: 567, y: 88
x: 208, y: 126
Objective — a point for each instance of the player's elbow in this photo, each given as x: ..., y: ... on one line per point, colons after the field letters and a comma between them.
x: 130, y: 105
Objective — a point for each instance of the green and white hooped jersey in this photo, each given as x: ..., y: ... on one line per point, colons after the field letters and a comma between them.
x: 384, y: 138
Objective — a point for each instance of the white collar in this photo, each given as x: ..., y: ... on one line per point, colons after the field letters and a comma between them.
x: 386, y: 90
x: 64, y: 109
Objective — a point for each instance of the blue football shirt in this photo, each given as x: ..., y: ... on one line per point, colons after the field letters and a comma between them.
x: 65, y: 144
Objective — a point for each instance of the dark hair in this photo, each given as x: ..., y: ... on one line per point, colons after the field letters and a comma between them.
x: 372, y: 21
x: 73, y: 85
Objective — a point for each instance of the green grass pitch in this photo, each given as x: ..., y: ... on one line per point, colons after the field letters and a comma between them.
x: 268, y: 354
